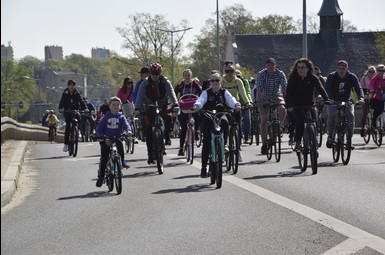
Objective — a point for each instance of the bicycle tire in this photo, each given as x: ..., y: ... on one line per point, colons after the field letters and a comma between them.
x: 131, y: 147
x: 87, y: 131
x: 277, y: 141
x: 367, y: 129
x: 237, y: 141
x: 158, y: 149
x: 51, y: 134
x: 191, y: 144
x: 346, y: 145
x: 258, y: 130
x: 377, y: 132
x: 198, y: 142
x: 118, y: 176
x: 320, y: 130
x: 313, y: 146
x: 109, y: 176
x: 269, y: 143
x: 305, y: 150
x: 218, y: 163
x: 126, y: 145
x: 75, y: 141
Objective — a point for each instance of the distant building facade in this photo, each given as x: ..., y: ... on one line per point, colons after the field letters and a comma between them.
x: 324, y: 48
x: 100, y: 53
x: 53, y: 52
x: 7, y: 52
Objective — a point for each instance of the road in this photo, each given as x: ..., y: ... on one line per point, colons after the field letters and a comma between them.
x: 266, y: 208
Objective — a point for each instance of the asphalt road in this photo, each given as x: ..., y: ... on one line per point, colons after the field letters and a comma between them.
x: 266, y: 208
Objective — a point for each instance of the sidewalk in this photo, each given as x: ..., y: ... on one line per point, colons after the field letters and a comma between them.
x: 12, y: 157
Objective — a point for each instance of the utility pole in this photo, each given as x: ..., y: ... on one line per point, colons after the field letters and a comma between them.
x: 172, y: 48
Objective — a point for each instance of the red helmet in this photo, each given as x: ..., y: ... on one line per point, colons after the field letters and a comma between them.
x: 156, y: 67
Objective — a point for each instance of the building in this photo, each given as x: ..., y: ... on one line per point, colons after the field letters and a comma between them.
x: 53, y: 52
x: 7, y: 52
x: 324, y: 48
x: 100, y: 53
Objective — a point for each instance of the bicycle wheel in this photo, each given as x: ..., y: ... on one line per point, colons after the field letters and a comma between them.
x: 218, y: 163
x: 336, y: 151
x: 237, y: 141
x: 257, y: 129
x: 75, y: 141
x: 312, y: 145
x: 110, y: 176
x: 131, y: 147
x: 118, y: 176
x: 367, y: 130
x: 269, y: 142
x: 303, y: 159
x: 320, y: 129
x: 229, y: 157
x: 157, y: 139
x: 277, y: 141
x: 51, y: 134
x: 198, y: 142
x: 346, y: 145
x: 191, y: 144
x: 127, y: 144
x: 87, y: 131
x: 377, y: 132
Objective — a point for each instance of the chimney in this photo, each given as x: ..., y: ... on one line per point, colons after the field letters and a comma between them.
x: 330, y: 23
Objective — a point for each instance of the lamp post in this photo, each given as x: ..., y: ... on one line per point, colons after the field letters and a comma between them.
x: 172, y: 48
x: 39, y: 93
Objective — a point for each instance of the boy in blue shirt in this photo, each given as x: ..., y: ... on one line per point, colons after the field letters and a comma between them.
x: 114, y: 123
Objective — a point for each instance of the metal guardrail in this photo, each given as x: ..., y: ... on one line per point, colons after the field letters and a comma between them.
x: 13, y: 130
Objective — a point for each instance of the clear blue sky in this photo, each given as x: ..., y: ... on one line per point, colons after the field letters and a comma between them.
x: 78, y: 26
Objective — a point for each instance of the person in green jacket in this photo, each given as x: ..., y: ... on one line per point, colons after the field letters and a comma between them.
x: 246, y: 115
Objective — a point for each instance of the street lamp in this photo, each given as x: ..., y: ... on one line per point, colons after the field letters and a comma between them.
x: 172, y: 48
x: 38, y: 86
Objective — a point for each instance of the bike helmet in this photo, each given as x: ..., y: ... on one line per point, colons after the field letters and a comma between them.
x: 50, y: 111
x: 251, y: 80
x: 156, y: 67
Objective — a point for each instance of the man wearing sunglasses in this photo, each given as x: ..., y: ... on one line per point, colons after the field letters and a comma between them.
x: 156, y: 88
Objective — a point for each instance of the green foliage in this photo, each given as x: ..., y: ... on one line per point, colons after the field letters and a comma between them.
x: 380, y: 43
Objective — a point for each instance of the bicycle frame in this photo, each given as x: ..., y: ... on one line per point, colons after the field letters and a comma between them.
x: 274, y: 133
x: 157, y: 138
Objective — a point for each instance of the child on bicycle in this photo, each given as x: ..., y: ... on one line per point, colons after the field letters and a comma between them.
x: 113, y: 124
x: 213, y: 98
x: 52, y: 120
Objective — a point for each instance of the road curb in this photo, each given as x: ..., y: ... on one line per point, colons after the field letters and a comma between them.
x: 11, y: 177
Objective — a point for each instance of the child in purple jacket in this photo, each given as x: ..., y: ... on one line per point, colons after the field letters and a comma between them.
x: 113, y: 124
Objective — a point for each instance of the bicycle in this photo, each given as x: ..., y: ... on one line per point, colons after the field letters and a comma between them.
x: 342, y: 144
x: 273, y: 133
x: 86, y: 126
x: 114, y: 167
x: 52, y: 132
x: 376, y: 132
x: 129, y: 141
x: 186, y: 103
x: 74, y: 133
x: 321, y: 120
x: 255, y: 125
x: 158, y: 145
x: 217, y: 153
x: 310, y: 144
x: 232, y: 156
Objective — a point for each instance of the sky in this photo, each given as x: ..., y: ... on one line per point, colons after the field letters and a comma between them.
x: 80, y: 25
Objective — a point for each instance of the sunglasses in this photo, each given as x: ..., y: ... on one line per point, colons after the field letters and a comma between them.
x: 381, y: 70
x: 155, y: 73
x: 229, y: 71
x: 370, y: 71
x: 217, y: 80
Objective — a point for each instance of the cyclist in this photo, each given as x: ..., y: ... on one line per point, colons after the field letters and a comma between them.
x: 236, y: 88
x: 113, y: 124
x: 338, y: 86
x: 125, y: 95
x: 300, y: 91
x: 187, y: 86
x: 70, y: 100
x: 377, y: 93
x: 210, y: 99
x: 91, y: 118
x: 364, y: 82
x: 246, y: 115
x: 157, y: 88
x: 144, y: 74
x: 52, y: 120
x: 270, y: 88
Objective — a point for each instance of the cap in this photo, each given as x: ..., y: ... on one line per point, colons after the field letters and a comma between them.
x: 70, y: 82
x: 251, y: 80
x: 145, y: 69
x: 230, y: 67
x: 271, y: 60
x: 342, y: 63
x: 214, y: 71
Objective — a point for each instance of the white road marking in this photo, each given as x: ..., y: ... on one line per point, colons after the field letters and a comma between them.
x: 349, y: 246
x: 359, y: 237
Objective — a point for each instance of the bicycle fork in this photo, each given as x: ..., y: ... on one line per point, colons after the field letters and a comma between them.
x: 213, y: 157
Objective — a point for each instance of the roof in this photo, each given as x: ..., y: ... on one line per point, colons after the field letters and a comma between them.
x: 330, y: 8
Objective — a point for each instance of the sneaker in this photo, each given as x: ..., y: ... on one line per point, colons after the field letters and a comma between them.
x: 203, y: 173
x: 363, y: 133
x: 329, y: 142
x: 246, y: 140
x: 136, y: 140
x: 226, y: 148
x: 240, y: 157
x: 125, y: 165
x: 181, y: 152
x: 264, y: 149
x: 99, y: 182
x: 197, y: 136
x: 168, y: 142
x: 297, y: 147
x: 291, y: 141
x: 65, y: 148
x: 150, y: 160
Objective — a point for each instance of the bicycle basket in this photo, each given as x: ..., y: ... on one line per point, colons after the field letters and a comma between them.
x: 187, y: 104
